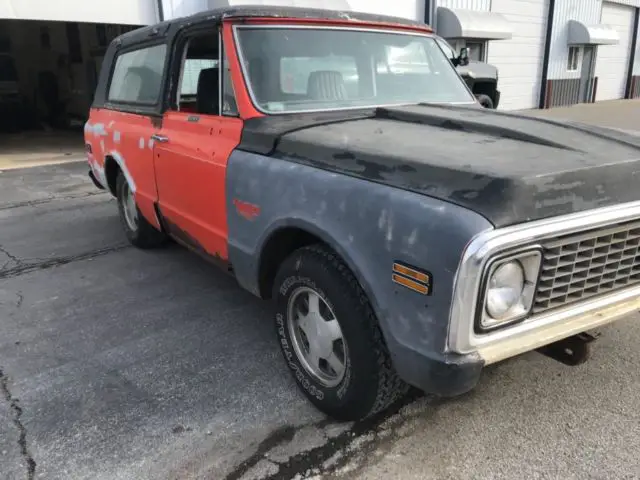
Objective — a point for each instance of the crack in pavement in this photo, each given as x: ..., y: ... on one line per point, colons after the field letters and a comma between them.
x: 42, y: 201
x: 23, y: 267
x: 17, y: 414
x: 356, y: 441
x: 11, y: 257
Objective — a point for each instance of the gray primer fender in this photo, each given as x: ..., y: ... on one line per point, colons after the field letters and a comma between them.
x: 370, y: 226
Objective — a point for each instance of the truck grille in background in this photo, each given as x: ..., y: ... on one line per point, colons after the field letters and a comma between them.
x: 582, y: 265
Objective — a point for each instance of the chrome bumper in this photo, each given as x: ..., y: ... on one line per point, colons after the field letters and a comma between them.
x: 560, y: 325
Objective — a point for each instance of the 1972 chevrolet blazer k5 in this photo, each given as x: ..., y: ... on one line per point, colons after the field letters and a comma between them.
x: 336, y: 163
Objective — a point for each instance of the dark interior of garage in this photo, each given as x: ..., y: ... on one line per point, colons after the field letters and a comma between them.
x: 48, y: 72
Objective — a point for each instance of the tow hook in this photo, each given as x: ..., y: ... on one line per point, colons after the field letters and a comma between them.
x: 571, y: 351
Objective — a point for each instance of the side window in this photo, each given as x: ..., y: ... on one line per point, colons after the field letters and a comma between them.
x: 137, y: 76
x: 202, y: 84
x: 295, y: 73
x: 190, y: 73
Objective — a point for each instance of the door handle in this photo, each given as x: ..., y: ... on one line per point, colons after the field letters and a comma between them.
x: 159, y: 138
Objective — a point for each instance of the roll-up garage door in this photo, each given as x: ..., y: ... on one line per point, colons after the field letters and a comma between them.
x: 612, y: 62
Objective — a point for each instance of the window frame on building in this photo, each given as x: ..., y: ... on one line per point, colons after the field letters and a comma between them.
x: 481, y: 49
x: 574, y: 56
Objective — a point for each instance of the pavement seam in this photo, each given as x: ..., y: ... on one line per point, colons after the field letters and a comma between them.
x: 16, y: 410
x: 23, y: 267
x: 42, y: 201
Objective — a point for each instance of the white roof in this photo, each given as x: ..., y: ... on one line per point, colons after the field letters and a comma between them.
x: 583, y: 34
x: 459, y: 23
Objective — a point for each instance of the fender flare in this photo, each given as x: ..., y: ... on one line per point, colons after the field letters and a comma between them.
x: 325, y: 237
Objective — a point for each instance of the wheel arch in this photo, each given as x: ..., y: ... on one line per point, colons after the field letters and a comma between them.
x: 111, y: 170
x: 113, y: 164
x: 285, y: 237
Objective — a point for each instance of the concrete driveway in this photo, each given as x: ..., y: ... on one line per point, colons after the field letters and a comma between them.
x: 122, y: 364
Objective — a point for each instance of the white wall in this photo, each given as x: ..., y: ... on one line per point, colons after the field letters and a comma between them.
x: 519, y: 60
x: 411, y: 9
x: 483, y: 5
x: 636, y: 63
x: 129, y: 12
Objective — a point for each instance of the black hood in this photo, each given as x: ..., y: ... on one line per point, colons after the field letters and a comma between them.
x: 478, y: 71
x: 510, y: 168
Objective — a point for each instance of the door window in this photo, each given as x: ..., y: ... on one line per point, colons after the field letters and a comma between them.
x: 205, y: 83
x: 573, y: 61
x: 475, y: 51
x: 137, y: 76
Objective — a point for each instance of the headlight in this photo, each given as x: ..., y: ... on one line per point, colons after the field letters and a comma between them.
x: 509, y: 288
x: 504, y: 289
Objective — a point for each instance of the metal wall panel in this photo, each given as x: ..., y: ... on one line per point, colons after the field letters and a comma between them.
x: 587, y: 11
x: 631, y: 3
x: 129, y: 12
x: 567, y: 92
x: 483, y: 5
x: 411, y: 9
x: 635, y: 86
x: 636, y: 62
x: 520, y: 58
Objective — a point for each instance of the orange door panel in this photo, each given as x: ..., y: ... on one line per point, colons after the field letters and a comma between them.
x: 190, y: 156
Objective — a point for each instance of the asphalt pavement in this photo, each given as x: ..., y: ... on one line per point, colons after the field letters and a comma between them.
x: 117, y: 363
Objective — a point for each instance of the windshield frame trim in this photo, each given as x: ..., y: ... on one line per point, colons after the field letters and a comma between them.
x: 249, y: 85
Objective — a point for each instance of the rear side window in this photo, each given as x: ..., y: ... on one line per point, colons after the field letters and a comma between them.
x: 137, y: 76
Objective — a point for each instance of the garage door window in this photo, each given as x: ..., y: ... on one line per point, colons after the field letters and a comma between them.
x: 574, y: 59
x: 137, y: 76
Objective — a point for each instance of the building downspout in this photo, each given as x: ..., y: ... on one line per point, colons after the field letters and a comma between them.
x: 628, y: 93
x: 547, y: 54
x: 160, y: 10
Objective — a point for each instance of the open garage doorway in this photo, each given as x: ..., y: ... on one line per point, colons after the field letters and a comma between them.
x: 48, y: 75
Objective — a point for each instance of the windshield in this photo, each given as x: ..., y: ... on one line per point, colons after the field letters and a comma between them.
x: 446, y: 48
x: 305, y: 69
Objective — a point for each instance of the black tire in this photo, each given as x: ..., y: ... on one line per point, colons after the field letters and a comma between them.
x: 370, y: 383
x: 485, y: 100
x: 143, y: 235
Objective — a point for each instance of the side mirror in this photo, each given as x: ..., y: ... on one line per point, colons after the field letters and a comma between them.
x: 463, y: 58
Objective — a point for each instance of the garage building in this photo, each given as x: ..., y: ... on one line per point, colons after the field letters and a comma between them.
x: 548, y: 52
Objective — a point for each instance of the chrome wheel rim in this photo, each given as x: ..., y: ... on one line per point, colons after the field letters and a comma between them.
x: 316, y: 337
x: 129, y: 207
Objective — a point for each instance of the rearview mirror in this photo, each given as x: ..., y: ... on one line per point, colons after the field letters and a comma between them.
x: 463, y: 58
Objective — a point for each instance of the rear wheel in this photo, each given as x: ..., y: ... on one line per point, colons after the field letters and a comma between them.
x: 330, y: 337
x: 137, y: 229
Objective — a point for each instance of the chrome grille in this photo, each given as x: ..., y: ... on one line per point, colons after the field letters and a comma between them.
x: 582, y: 265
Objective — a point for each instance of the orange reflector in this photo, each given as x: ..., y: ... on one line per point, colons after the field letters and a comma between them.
x: 407, y: 282
x: 410, y: 272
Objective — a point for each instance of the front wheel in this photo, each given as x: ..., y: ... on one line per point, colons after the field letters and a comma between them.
x: 485, y: 100
x: 137, y: 229
x: 330, y: 337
